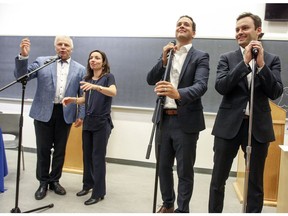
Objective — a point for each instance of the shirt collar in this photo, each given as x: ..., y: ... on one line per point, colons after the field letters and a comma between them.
x: 67, y: 61
x: 185, y: 48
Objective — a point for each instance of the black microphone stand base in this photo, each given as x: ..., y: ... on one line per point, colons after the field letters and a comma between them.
x: 43, y: 207
x: 17, y: 210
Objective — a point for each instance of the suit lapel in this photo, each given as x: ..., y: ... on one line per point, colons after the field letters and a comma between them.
x: 239, y: 58
x: 186, y: 62
x: 70, y: 74
x: 54, y: 74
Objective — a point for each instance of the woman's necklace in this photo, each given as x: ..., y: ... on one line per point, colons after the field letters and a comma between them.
x: 94, y: 82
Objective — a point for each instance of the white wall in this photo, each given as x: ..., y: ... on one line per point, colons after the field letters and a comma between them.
x: 147, y: 18
x: 135, y: 18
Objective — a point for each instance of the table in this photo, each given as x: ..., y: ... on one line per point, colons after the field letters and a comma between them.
x: 3, y: 163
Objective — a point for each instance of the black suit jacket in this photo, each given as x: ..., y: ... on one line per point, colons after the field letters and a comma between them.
x: 231, y: 82
x: 192, y: 85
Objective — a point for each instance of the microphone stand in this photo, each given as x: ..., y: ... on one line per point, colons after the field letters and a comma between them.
x: 157, y: 119
x: 23, y: 80
x: 249, y: 147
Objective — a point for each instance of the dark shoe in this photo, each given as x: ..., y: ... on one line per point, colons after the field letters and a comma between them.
x: 93, y: 201
x: 82, y: 192
x: 163, y: 209
x: 41, y: 192
x: 57, y: 188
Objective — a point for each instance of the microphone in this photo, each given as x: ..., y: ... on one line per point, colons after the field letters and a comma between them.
x: 173, y: 42
x: 254, y: 52
x: 52, y: 59
x: 171, y: 50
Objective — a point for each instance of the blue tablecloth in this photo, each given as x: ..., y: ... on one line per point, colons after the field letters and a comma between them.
x: 3, y: 163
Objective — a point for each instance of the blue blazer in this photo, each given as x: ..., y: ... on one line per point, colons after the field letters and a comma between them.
x: 43, y: 102
x: 191, y: 87
x: 231, y: 82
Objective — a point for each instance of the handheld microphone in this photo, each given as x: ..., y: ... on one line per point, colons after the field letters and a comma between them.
x: 171, y: 50
x: 254, y: 51
x: 52, y: 59
x: 173, y: 42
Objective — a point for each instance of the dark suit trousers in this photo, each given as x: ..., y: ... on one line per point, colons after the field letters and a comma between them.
x: 94, y: 154
x: 224, y: 153
x: 182, y: 146
x: 51, y: 135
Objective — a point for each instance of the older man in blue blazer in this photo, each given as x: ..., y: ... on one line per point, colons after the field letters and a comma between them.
x: 52, y: 121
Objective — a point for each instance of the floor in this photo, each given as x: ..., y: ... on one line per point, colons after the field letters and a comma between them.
x: 130, y: 189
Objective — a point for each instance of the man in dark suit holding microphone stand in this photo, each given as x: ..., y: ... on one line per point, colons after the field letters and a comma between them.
x: 234, y: 118
x: 183, y: 117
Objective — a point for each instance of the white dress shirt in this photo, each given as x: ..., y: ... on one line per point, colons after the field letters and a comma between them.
x: 176, y: 67
x: 62, y: 74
